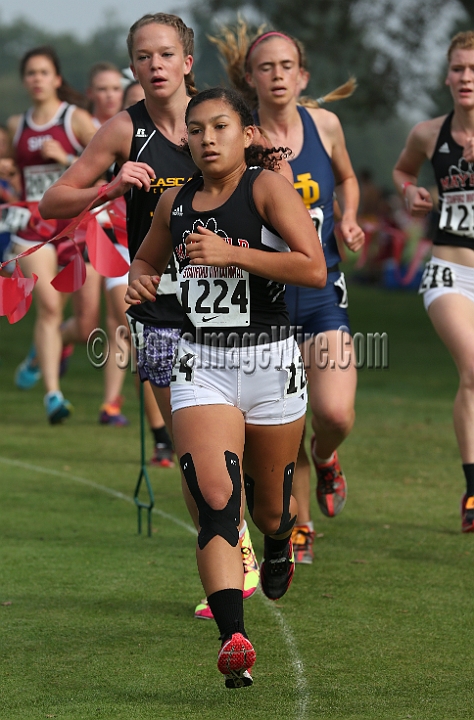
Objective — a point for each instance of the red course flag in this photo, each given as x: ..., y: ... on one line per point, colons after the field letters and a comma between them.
x: 72, y: 277
x: 15, y: 295
x: 102, y: 253
x: 118, y: 215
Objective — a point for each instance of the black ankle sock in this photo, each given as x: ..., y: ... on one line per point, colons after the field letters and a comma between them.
x: 469, y: 475
x: 161, y: 436
x: 228, y: 609
x: 274, y: 546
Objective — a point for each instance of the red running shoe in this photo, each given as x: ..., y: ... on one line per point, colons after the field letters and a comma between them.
x: 331, y: 489
x: 162, y: 456
x: 467, y: 514
x: 235, y: 660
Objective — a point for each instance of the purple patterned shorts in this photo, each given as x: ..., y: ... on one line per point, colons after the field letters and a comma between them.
x: 155, y: 354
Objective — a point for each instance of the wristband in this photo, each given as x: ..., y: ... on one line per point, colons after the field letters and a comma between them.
x: 405, y: 185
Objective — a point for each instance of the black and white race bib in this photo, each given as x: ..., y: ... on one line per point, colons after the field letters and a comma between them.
x: 14, y: 218
x: 296, y: 381
x: 38, y: 178
x: 169, y: 280
x: 317, y: 216
x: 457, y: 213
x: 215, y: 296
x: 436, y: 276
x: 183, y: 367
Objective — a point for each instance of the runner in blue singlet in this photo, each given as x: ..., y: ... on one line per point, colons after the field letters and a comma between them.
x: 274, y: 73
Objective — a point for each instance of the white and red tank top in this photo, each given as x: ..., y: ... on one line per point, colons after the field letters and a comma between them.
x: 38, y: 173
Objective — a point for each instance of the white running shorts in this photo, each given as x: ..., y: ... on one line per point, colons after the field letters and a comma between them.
x: 441, y: 277
x: 266, y: 382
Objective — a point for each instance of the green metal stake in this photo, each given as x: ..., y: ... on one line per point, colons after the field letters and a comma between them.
x: 143, y: 473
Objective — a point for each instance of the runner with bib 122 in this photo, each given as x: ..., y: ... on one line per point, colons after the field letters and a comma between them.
x: 448, y: 280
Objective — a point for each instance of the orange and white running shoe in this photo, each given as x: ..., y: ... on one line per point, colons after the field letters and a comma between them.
x: 302, y: 538
x: 331, y: 489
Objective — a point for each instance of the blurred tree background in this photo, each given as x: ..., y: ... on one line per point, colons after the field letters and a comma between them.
x: 76, y: 57
x: 395, y: 48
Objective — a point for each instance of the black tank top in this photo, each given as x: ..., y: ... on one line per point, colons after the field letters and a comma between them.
x: 228, y: 301
x: 172, y: 167
x: 455, y: 180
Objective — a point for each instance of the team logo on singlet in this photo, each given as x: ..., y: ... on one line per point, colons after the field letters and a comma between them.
x: 308, y: 188
x: 35, y: 142
x: 159, y: 184
x: 141, y: 132
x: 211, y: 225
x: 460, y: 176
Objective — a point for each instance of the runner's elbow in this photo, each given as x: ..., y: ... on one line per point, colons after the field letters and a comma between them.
x: 314, y: 278
x: 50, y: 208
x: 45, y: 208
x: 320, y: 277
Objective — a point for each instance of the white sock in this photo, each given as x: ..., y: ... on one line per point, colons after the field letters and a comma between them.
x: 322, y: 461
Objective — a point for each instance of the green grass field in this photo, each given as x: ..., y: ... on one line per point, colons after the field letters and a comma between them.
x: 97, y: 622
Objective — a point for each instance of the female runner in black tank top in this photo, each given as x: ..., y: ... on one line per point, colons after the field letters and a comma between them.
x: 231, y: 231
x: 160, y: 48
x: 448, y: 280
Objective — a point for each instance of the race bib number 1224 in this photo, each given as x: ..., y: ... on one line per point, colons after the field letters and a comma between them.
x: 215, y: 296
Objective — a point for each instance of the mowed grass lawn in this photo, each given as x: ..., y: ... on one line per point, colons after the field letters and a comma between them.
x: 97, y: 622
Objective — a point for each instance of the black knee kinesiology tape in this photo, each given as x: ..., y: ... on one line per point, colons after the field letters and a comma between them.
x: 287, y: 522
x: 223, y: 522
x: 249, y: 485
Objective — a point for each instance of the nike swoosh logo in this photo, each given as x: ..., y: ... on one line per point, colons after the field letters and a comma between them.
x: 208, y: 319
